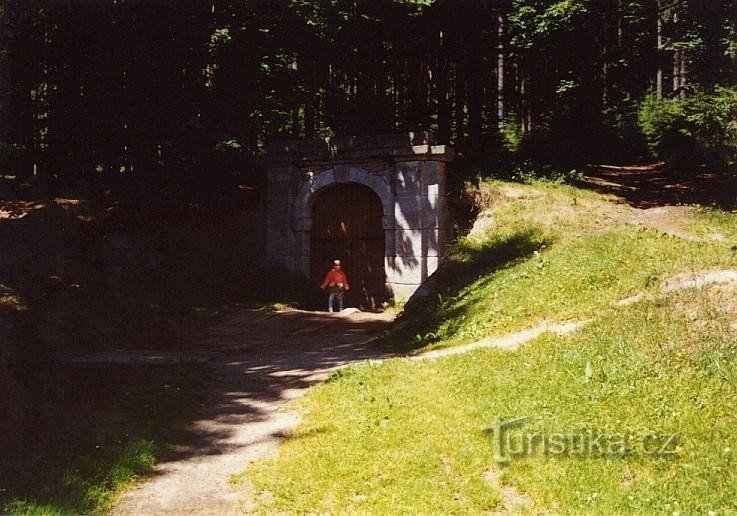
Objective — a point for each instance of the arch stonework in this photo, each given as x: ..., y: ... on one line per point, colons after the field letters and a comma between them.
x: 301, y: 218
x: 408, y: 174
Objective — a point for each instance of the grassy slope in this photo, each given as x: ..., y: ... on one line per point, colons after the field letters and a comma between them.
x: 558, y: 253
x: 407, y: 436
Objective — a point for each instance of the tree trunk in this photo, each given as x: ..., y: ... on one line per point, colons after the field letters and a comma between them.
x: 659, y: 58
x: 500, y: 107
x: 733, y: 36
x: 443, y: 85
x: 682, y: 75
x: 683, y: 65
x: 311, y: 99
x: 676, y: 59
x: 525, y: 110
x: 460, y: 105
x: 475, y: 94
x: 605, y: 79
x: 679, y: 66
x: 676, y: 71
x: 5, y: 88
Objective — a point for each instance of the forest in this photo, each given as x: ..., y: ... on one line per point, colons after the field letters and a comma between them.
x: 181, y: 93
x: 132, y: 214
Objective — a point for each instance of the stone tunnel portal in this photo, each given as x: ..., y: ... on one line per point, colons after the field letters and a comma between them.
x: 377, y: 201
x: 347, y: 225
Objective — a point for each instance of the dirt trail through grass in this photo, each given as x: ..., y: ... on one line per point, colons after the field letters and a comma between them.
x: 659, y: 199
x: 262, y: 359
x: 648, y: 186
x: 512, y: 341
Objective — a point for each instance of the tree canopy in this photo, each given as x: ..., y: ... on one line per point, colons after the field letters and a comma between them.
x: 192, y: 88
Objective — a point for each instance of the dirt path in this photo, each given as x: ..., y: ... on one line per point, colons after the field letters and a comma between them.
x: 262, y: 359
x: 512, y: 341
x: 649, y: 186
x: 659, y: 199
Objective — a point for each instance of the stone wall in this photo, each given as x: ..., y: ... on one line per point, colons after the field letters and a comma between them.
x: 407, y: 172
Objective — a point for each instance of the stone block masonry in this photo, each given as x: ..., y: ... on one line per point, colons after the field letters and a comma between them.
x: 408, y: 174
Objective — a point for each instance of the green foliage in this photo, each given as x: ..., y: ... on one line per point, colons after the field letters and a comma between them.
x: 700, y: 129
x: 534, y: 23
x: 623, y: 140
x: 260, y: 71
x: 512, y: 134
x: 229, y: 144
x: 712, y: 120
x: 220, y: 36
x: 663, y: 123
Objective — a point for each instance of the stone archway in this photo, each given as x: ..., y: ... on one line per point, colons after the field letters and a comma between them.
x: 347, y: 225
x: 301, y: 213
x: 407, y: 173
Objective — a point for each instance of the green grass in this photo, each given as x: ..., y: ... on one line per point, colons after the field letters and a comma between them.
x: 530, y: 265
x: 710, y: 222
x: 102, y: 427
x: 573, y: 281
x: 563, y: 210
x: 407, y: 436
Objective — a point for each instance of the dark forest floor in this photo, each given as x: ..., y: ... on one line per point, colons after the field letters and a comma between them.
x: 80, y: 274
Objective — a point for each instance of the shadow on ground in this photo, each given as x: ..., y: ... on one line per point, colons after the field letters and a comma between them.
x: 78, y: 277
x: 231, y: 379
x: 260, y: 360
x: 438, y: 299
x: 649, y: 186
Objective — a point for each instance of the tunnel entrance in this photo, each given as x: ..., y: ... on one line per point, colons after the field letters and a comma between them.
x: 341, y: 197
x: 347, y: 225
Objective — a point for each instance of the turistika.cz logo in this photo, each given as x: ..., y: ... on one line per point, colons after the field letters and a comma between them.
x: 510, y: 441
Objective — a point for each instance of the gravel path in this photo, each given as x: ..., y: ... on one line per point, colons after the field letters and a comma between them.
x: 262, y: 359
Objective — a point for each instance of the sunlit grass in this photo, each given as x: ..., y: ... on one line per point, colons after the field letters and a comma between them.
x: 573, y: 281
x: 497, y: 285
x: 715, y: 224
x: 408, y: 436
x: 647, y: 377
x: 376, y: 453
x: 562, y: 210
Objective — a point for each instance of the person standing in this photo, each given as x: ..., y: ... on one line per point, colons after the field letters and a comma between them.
x: 336, y: 283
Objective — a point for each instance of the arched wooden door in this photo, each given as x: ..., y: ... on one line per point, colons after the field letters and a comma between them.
x: 346, y: 224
